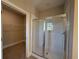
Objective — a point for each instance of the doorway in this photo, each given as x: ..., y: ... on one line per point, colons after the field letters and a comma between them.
x: 49, y: 39
x: 14, y: 33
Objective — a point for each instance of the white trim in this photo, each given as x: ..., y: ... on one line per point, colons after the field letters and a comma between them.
x: 9, y: 4
x: 12, y: 44
x: 28, y: 35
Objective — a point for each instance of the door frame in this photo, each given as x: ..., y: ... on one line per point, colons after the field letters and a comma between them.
x: 28, y: 19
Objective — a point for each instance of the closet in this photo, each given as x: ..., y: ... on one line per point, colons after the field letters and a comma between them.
x: 13, y: 33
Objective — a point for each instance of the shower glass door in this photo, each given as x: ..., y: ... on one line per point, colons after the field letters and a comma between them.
x: 38, y: 37
x: 49, y: 37
x: 54, y: 38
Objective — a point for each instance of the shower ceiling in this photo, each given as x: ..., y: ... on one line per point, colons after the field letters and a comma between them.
x: 42, y: 5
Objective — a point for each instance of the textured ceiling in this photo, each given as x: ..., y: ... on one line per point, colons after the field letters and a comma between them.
x: 42, y: 5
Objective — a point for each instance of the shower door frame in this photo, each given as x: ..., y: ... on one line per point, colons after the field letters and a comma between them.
x: 45, y: 37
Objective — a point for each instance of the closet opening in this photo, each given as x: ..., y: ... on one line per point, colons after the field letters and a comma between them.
x: 13, y: 33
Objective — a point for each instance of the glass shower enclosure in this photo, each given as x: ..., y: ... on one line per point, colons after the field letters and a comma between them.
x: 38, y: 37
x: 49, y: 38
